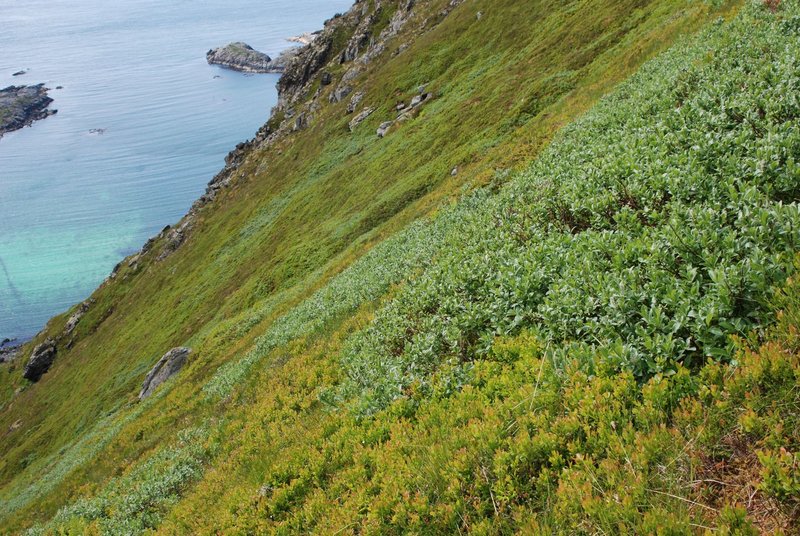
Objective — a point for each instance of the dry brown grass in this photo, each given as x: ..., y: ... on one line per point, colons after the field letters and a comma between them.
x: 734, y: 479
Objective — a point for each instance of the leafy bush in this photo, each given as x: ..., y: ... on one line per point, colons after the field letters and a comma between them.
x: 655, y: 227
x: 133, y: 503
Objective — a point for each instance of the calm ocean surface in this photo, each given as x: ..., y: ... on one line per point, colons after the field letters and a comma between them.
x: 73, y: 203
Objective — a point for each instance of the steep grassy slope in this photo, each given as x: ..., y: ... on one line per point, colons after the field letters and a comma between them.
x: 451, y: 378
x: 551, y: 430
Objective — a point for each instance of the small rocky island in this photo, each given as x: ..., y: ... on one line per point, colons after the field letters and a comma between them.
x: 242, y: 57
x: 22, y: 105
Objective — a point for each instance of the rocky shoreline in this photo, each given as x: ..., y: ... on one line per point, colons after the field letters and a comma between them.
x: 20, y: 106
x: 9, y: 350
x: 244, y: 58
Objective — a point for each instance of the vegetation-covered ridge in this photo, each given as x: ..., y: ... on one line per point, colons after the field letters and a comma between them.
x: 595, y: 337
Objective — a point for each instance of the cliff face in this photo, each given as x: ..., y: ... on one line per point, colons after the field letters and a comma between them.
x: 392, y: 261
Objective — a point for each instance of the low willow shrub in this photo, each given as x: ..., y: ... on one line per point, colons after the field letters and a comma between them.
x: 59, y: 466
x: 134, y: 502
x: 655, y: 227
x: 366, y: 280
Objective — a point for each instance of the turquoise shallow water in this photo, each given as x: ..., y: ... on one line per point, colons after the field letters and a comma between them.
x: 73, y: 202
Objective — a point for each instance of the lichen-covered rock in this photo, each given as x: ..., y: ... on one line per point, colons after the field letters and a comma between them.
x: 355, y: 101
x: 40, y: 361
x: 175, y: 238
x: 169, y: 365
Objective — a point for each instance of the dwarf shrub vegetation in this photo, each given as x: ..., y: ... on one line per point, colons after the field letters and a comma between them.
x: 603, y: 341
x: 133, y: 503
x: 655, y: 227
x: 581, y: 354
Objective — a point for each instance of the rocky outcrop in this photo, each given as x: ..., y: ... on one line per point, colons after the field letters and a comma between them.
x: 20, y: 106
x: 405, y: 111
x: 305, y: 64
x: 40, y: 361
x: 355, y: 101
x: 358, y: 119
x: 242, y: 57
x: 72, y: 323
x: 175, y: 237
x: 340, y: 93
x: 170, y: 364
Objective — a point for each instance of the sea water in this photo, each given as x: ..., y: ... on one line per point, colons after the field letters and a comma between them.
x: 143, y: 124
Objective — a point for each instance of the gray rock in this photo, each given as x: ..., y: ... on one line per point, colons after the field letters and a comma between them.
x: 169, y: 365
x: 305, y: 38
x: 8, y: 353
x: 40, y: 361
x: 419, y: 99
x: 355, y: 101
x: 340, y: 93
x: 175, y: 238
x: 359, y: 40
x: 351, y: 74
x: 384, y: 128
x: 362, y: 115
x: 72, y: 323
x: 301, y: 122
x: 326, y: 79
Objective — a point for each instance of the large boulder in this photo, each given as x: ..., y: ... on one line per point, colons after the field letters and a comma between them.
x: 340, y: 93
x: 169, y: 365
x: 40, y: 361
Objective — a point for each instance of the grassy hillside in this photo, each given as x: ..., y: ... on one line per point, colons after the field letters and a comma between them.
x: 461, y: 327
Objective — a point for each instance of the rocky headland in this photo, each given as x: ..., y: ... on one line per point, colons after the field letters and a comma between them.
x: 242, y: 57
x: 22, y: 105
